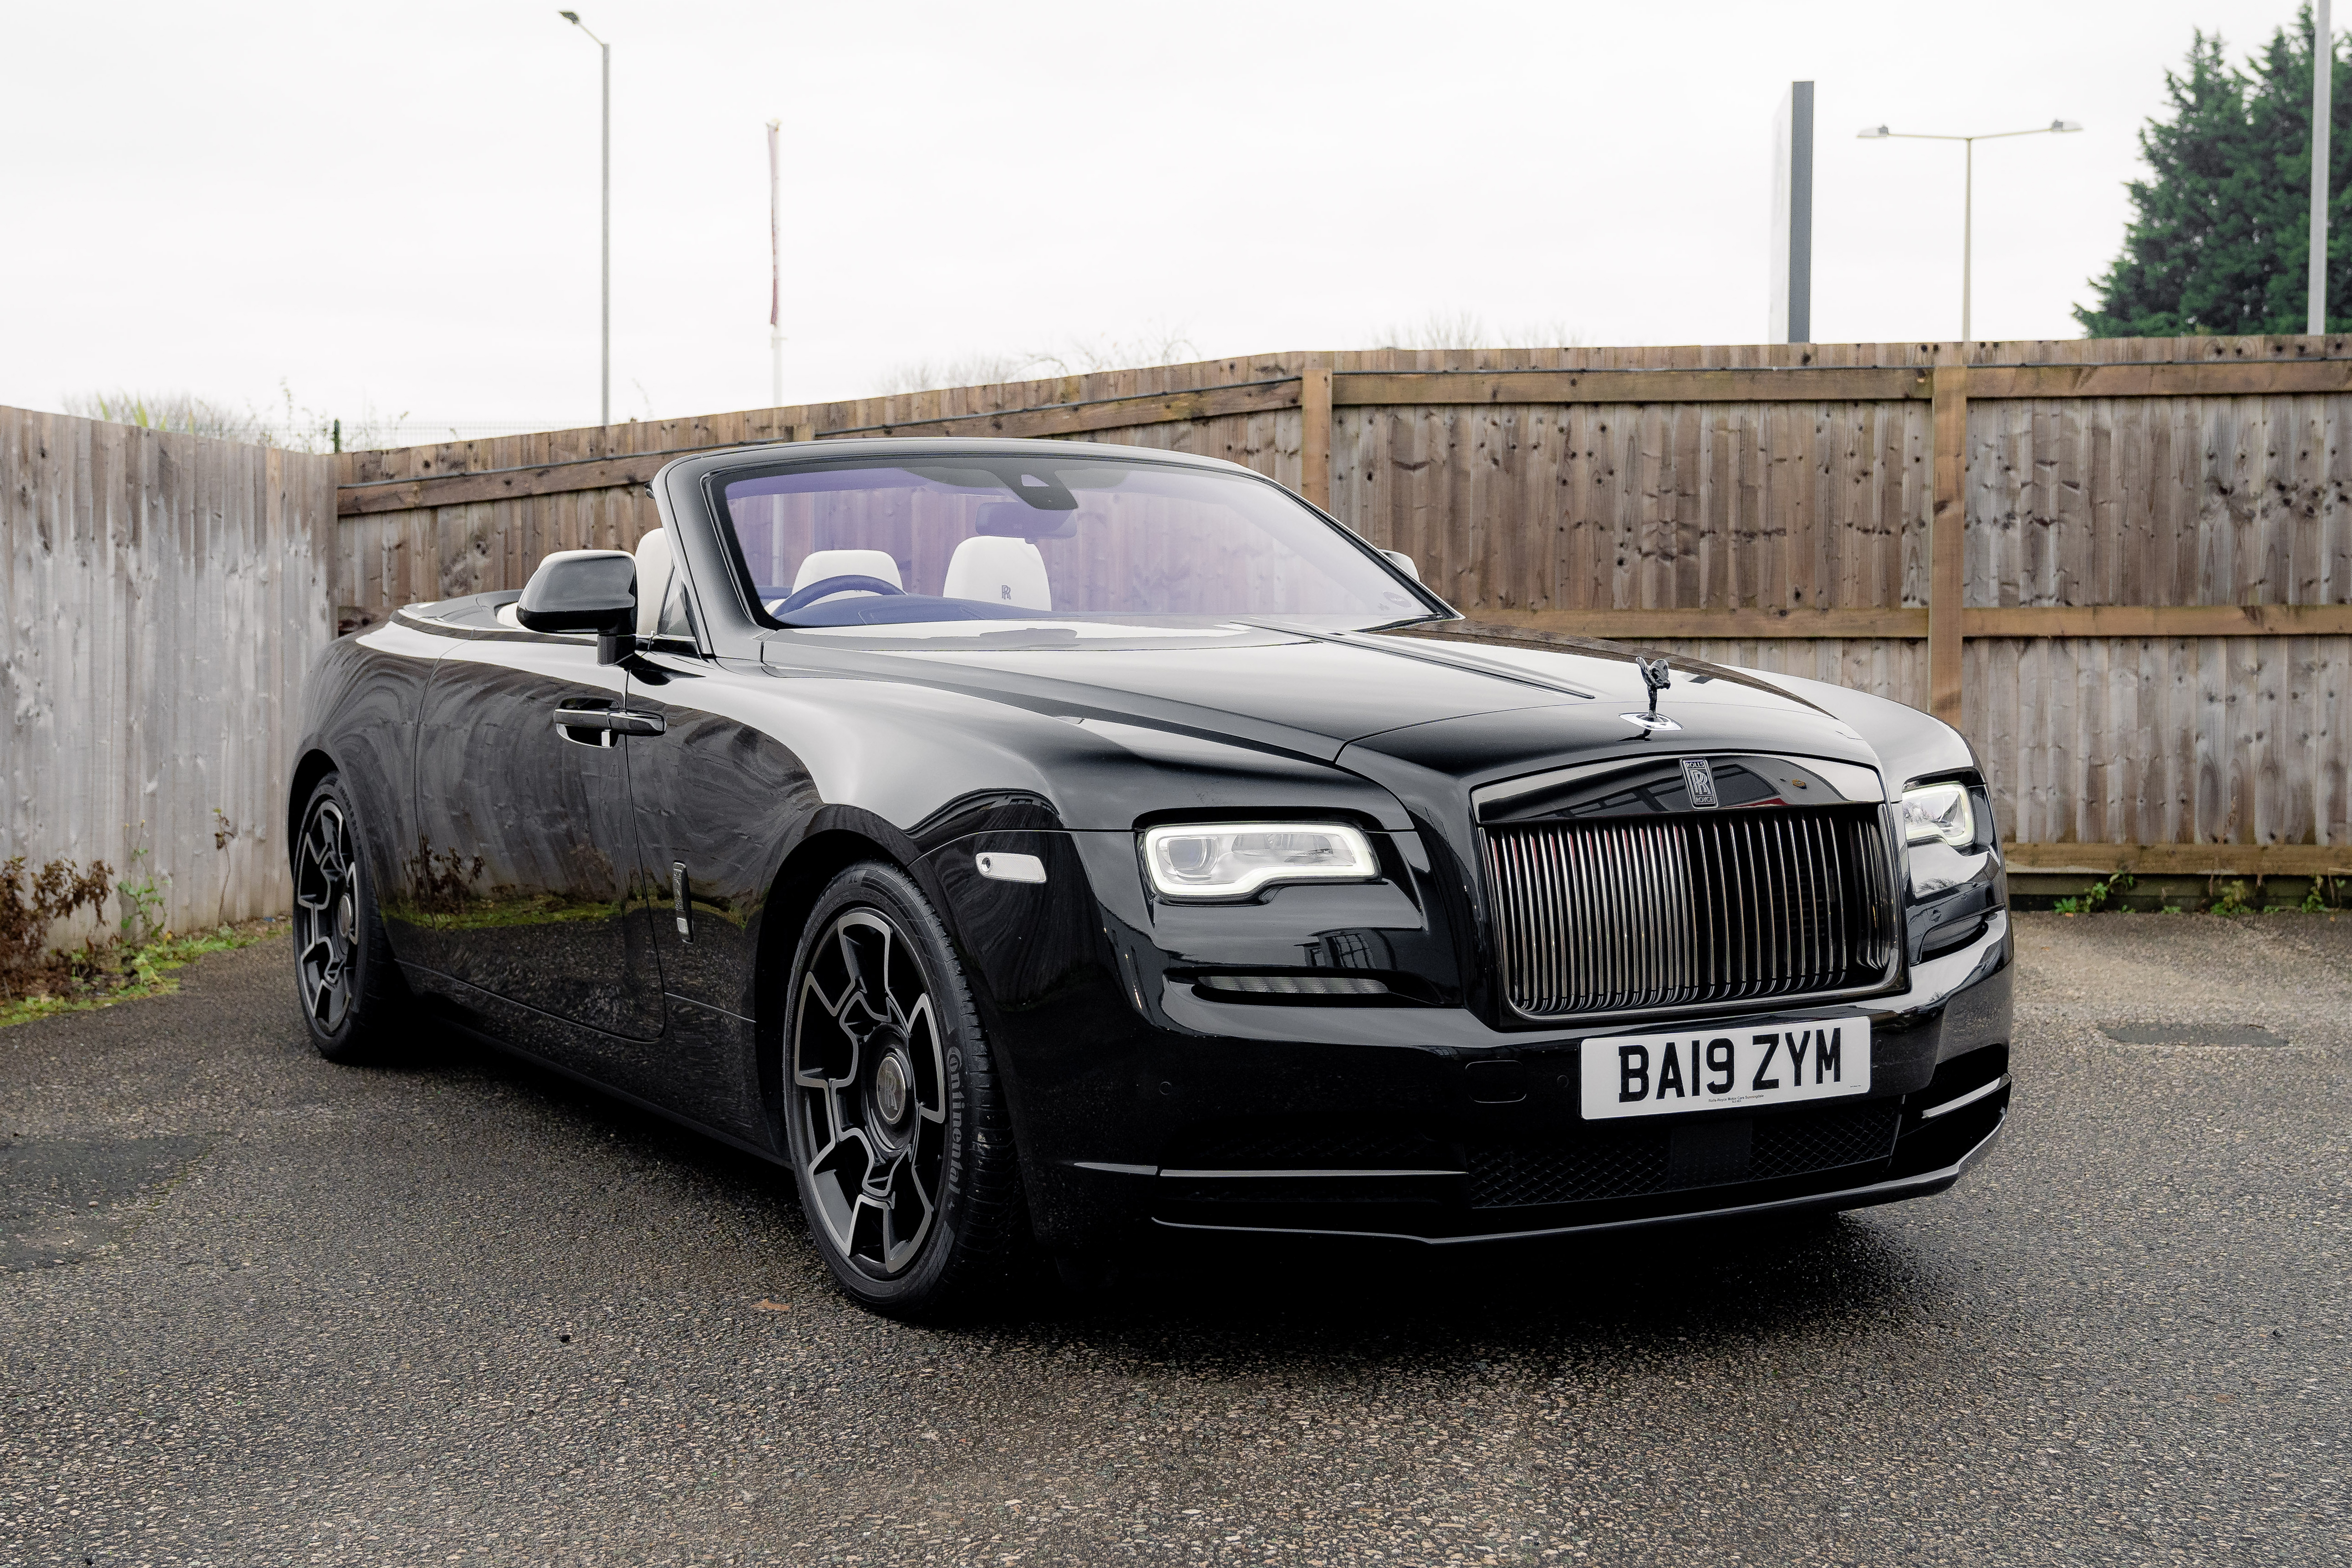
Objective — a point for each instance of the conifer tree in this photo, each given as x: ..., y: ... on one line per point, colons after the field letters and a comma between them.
x: 2220, y: 238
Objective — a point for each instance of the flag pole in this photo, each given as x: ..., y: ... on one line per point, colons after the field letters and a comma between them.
x: 775, y: 270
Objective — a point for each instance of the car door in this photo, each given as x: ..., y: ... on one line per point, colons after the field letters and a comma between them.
x: 716, y: 796
x: 525, y: 874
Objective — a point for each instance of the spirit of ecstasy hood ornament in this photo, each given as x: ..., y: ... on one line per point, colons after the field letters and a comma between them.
x: 1657, y: 677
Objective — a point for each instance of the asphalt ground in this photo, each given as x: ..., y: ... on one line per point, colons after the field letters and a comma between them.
x: 262, y: 1310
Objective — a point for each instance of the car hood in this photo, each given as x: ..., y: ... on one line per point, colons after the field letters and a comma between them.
x: 1466, y: 702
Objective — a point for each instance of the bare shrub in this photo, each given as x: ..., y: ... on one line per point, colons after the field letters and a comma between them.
x: 30, y: 904
x: 1073, y: 356
x: 1468, y: 329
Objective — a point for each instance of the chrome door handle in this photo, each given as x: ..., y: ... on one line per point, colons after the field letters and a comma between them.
x: 617, y: 721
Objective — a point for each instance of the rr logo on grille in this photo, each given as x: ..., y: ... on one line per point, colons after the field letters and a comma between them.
x: 1700, y: 780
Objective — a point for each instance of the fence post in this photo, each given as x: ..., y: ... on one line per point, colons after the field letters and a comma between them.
x: 1947, y: 537
x: 1315, y: 436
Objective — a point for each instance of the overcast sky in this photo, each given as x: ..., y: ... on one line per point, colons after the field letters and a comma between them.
x: 394, y: 207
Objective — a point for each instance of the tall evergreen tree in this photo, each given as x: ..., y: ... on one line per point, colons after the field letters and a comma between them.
x: 2221, y: 236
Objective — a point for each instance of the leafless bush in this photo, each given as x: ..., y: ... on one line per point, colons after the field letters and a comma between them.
x: 155, y: 410
x: 30, y: 904
x: 292, y: 424
x: 1074, y: 356
x: 1468, y: 329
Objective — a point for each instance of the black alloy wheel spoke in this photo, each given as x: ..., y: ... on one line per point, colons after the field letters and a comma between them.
x: 325, y: 916
x: 870, y: 1092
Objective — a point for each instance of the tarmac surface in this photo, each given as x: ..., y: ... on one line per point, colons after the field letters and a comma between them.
x: 257, y: 1308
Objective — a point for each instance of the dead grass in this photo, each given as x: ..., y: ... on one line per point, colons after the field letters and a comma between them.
x: 37, y: 980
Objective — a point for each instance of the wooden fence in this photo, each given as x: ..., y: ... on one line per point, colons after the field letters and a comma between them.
x: 2123, y: 566
x: 163, y: 596
x: 2126, y: 566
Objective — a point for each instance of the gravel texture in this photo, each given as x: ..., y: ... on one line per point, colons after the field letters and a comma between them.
x: 261, y: 1310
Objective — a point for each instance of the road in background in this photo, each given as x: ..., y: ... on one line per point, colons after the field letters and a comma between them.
x: 264, y: 1310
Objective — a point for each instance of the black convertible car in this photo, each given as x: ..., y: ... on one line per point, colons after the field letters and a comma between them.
x: 1039, y: 840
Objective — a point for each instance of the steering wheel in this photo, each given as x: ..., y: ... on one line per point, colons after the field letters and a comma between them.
x: 850, y: 581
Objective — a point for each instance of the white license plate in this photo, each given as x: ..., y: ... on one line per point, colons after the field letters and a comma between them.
x: 1702, y: 1068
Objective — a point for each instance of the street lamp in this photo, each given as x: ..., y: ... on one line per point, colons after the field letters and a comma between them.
x: 1968, y: 188
x: 604, y: 393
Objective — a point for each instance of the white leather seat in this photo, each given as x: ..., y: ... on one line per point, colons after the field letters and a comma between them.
x: 998, y: 571
x: 655, y: 566
x: 819, y: 565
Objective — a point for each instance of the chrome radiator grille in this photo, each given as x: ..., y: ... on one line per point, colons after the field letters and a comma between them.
x: 1669, y: 910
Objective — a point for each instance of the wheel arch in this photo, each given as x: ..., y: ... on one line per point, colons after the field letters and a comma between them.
x: 807, y: 870
x: 314, y: 765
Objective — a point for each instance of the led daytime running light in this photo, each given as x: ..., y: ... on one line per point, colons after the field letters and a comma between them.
x: 1235, y: 859
x: 1938, y: 813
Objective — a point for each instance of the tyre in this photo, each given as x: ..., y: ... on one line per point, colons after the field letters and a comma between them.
x: 349, y: 990
x: 894, y: 1112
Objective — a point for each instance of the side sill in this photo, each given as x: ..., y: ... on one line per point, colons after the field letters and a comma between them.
x: 483, y: 1037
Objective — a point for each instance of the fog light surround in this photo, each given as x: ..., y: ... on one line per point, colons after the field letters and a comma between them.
x: 1294, y: 985
x: 1233, y: 861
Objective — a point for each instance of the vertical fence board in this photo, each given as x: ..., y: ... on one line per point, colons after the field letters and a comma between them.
x: 165, y: 595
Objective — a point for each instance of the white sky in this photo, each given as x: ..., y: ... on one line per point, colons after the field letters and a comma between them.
x: 394, y: 204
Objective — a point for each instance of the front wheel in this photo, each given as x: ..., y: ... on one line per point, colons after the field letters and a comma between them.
x: 893, y: 1108
x: 351, y: 993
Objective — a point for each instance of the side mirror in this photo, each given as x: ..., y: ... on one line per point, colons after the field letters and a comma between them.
x: 1402, y: 562
x: 584, y: 591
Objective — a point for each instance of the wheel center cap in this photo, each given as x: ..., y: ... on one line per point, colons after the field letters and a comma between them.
x: 890, y: 1089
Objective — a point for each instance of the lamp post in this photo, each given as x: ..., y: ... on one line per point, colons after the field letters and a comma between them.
x: 2323, y: 83
x: 604, y: 389
x: 1968, y: 190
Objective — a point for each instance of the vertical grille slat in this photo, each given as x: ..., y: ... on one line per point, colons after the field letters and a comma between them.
x: 1612, y: 915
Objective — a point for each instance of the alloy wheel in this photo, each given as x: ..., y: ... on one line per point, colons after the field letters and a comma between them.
x: 870, y: 1092
x: 326, y: 916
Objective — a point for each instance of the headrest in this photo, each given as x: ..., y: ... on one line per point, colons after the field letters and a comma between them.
x: 819, y: 565
x: 655, y: 566
x: 998, y: 572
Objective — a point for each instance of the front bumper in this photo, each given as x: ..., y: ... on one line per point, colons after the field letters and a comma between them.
x: 1728, y: 1202
x: 1139, y: 1100
x: 1926, y: 1160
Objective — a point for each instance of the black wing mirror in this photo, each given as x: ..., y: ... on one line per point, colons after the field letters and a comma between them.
x: 585, y: 591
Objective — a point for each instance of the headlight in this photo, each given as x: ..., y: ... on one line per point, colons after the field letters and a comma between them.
x: 1234, y: 859
x: 1938, y: 813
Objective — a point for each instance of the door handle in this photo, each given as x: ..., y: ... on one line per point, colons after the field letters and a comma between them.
x: 616, y: 721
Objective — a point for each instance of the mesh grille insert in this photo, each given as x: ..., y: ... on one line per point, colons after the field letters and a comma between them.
x: 1633, y: 1161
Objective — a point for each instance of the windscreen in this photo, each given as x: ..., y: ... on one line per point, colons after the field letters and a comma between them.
x: 1021, y: 538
